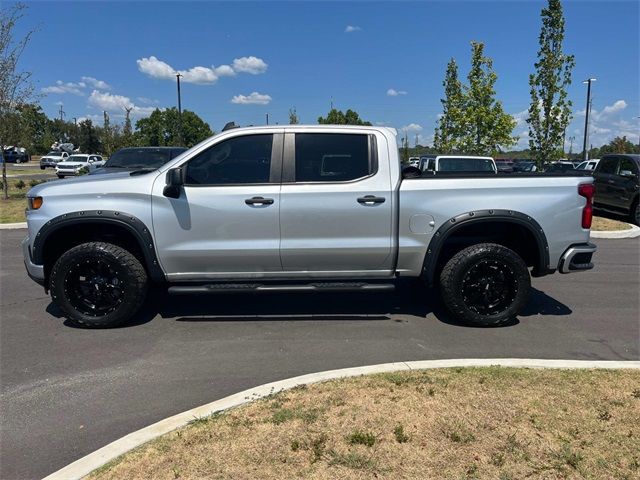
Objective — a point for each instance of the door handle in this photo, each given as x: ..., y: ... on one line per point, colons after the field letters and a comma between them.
x: 258, y: 201
x: 370, y: 199
x: 611, y: 181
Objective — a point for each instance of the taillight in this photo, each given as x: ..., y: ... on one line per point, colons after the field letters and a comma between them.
x: 587, y: 190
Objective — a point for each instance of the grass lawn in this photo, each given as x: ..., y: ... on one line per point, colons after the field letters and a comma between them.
x: 495, y: 423
x: 601, y: 224
x: 12, y: 210
x: 30, y: 171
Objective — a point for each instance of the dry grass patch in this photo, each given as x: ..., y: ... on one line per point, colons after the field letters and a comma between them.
x: 601, y: 224
x: 496, y: 423
x: 12, y: 210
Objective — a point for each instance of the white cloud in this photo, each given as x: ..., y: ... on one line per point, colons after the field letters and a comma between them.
x: 521, y: 117
x: 148, y: 101
x: 95, y: 83
x: 59, y: 103
x: 412, y: 128
x: 252, y: 65
x: 117, y: 103
x: 253, y: 98
x: 394, y: 93
x: 352, y: 28
x: 61, y: 87
x: 156, y: 68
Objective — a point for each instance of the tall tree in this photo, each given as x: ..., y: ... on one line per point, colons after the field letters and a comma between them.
x: 337, y: 117
x: 486, y: 127
x: 88, y: 137
x: 293, y: 116
x: 449, y: 126
x: 16, y: 88
x: 162, y: 128
x: 550, y: 110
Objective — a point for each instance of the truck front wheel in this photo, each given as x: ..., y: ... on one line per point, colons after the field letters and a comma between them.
x: 485, y: 285
x: 98, y: 285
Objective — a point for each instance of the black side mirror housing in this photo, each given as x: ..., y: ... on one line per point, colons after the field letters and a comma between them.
x: 174, y: 182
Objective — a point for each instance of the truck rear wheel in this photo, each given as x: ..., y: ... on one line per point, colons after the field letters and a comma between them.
x: 98, y: 285
x: 485, y: 285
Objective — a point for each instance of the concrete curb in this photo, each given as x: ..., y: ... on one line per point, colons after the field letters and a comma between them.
x: 87, y: 464
x: 633, y: 232
x: 12, y: 226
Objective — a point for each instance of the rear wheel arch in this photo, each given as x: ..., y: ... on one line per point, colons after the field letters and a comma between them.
x: 515, y: 230
x: 64, y: 232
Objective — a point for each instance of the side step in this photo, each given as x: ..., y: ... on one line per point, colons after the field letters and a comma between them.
x: 276, y: 287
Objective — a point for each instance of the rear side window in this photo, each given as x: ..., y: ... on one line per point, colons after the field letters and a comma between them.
x: 609, y: 165
x: 239, y: 160
x: 329, y: 157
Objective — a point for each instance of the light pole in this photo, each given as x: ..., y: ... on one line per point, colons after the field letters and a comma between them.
x: 267, y: 115
x: 178, y: 75
x: 585, y: 152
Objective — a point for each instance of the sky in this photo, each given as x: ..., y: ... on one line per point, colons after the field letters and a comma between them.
x: 243, y: 60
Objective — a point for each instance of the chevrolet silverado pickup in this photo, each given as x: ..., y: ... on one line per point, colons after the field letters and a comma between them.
x: 303, y: 209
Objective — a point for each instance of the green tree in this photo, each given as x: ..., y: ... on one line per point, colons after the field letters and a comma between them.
x: 162, y: 128
x: 88, y: 137
x: 16, y: 88
x: 449, y: 127
x: 550, y: 110
x: 337, y: 117
x: 486, y: 127
x: 293, y: 116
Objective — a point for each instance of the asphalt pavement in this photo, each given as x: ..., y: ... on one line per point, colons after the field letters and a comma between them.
x: 67, y: 391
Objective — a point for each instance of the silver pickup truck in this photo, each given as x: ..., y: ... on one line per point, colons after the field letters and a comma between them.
x: 303, y: 208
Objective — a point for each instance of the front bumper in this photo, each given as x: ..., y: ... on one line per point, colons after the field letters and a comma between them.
x: 35, y: 272
x: 577, y: 258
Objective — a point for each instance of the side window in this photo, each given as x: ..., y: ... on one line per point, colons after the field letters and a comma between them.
x: 609, y: 165
x: 627, y: 165
x: 332, y: 157
x: 239, y: 160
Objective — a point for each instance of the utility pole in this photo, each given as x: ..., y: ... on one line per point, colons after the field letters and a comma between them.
x: 75, y: 121
x: 267, y: 115
x: 571, y: 145
x: 61, y: 112
x: 332, y: 103
x: 178, y: 75
x: 585, y: 152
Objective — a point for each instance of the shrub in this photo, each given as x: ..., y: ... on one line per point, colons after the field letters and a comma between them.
x: 362, y: 438
x: 20, y: 184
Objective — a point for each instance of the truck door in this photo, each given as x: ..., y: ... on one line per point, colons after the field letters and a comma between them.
x: 226, y: 221
x: 336, y: 204
x: 604, y: 180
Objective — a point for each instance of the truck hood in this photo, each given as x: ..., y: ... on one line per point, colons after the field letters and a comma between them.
x: 87, y: 184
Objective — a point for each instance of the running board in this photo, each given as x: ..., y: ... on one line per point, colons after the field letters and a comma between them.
x: 268, y: 288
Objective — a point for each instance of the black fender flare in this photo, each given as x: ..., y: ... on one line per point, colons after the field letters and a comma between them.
x: 478, y: 216
x: 131, y: 223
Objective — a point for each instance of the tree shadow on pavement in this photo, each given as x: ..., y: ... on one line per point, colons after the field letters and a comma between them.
x: 411, y: 298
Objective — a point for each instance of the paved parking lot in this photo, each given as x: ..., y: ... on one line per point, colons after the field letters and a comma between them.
x: 67, y: 391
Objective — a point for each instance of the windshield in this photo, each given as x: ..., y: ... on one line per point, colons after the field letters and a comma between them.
x: 76, y: 158
x: 139, y: 158
x: 465, y: 165
x: 54, y: 154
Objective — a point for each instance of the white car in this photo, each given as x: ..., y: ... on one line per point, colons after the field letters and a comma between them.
x: 52, y: 158
x: 72, y: 165
x: 588, y: 164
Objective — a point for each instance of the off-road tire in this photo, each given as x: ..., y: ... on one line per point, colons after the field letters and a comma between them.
x: 129, y: 269
x: 454, y: 284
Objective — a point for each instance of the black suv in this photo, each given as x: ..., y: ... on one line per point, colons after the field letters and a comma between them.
x: 617, y: 188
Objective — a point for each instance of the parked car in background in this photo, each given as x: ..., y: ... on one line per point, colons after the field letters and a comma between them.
x: 588, y: 164
x: 52, y: 158
x: 617, y: 188
x: 525, y: 166
x: 560, y: 167
x: 15, y: 155
x: 76, y: 162
x: 457, y: 163
x: 139, y: 158
x: 304, y: 208
x: 504, y: 165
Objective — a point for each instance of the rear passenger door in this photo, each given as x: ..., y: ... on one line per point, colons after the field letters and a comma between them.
x: 605, y: 179
x: 336, y: 204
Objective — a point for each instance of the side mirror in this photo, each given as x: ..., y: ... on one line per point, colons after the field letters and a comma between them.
x: 174, y: 182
